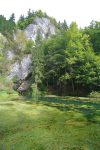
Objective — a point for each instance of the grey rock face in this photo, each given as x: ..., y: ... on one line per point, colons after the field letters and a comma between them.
x: 9, y: 55
x: 43, y: 25
x: 21, y: 69
x: 24, y: 86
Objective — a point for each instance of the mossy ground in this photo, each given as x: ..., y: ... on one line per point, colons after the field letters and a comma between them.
x: 51, y: 123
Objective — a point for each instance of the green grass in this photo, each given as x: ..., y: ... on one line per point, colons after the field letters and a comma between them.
x: 53, y: 123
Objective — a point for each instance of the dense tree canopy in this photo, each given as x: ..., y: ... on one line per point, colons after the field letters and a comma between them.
x: 71, y: 62
x: 93, y: 30
x: 7, y: 26
x: 67, y: 62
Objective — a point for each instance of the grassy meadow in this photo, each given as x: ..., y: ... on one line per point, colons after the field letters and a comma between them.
x: 51, y: 123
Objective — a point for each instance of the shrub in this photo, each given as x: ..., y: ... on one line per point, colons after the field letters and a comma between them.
x: 95, y: 94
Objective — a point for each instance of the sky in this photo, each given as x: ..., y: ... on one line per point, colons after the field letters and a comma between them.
x: 80, y: 11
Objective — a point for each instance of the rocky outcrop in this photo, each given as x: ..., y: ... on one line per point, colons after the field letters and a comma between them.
x: 21, y: 69
x: 43, y: 25
x: 21, y: 86
x: 24, y: 86
x: 9, y: 55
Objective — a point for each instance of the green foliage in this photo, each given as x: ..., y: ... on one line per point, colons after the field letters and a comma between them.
x: 66, y: 61
x: 6, y: 85
x: 20, y: 45
x: 37, y: 60
x: 7, y: 26
x: 12, y: 22
x: 94, y: 33
x: 94, y: 94
x: 23, y: 22
x: 54, y: 58
x: 64, y: 77
x: 28, y: 47
x: 4, y: 63
x: 70, y: 60
x: 35, y: 92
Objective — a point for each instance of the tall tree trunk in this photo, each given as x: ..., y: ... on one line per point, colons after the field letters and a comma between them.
x: 73, y: 88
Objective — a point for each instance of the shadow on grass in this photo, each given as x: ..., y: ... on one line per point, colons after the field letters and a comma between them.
x: 28, y: 127
x: 89, y: 109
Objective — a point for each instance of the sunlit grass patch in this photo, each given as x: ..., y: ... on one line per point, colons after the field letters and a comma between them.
x: 53, y: 124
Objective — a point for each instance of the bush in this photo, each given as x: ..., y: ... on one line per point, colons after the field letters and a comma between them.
x: 35, y: 91
x: 95, y: 94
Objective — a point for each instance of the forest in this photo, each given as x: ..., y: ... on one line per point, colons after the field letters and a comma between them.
x: 67, y: 63
x: 49, y: 84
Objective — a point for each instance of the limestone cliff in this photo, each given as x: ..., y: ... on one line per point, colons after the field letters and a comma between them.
x: 21, y: 69
x: 43, y: 25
